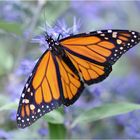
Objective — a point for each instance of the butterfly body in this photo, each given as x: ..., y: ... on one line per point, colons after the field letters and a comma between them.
x: 54, y: 46
x: 57, y: 50
x: 69, y: 63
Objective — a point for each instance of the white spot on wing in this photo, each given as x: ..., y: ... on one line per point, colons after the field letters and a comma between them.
x: 32, y: 107
x: 31, y: 93
x: 114, y: 34
x: 102, y: 34
x: 19, y: 118
x: 135, y: 36
x: 26, y: 101
x: 22, y: 95
x: 109, y: 31
x: 28, y: 90
x: 99, y: 32
x: 119, y: 41
x: 26, y: 85
x: 38, y: 110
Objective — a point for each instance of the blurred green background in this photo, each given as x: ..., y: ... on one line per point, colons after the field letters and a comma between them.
x: 20, y: 21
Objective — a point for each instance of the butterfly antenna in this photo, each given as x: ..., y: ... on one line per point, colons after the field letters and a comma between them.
x: 46, y: 35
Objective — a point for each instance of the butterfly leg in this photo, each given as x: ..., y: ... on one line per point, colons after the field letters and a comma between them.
x: 60, y: 35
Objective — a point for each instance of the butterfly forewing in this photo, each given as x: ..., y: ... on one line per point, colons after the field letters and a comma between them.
x: 101, y: 47
x: 42, y: 92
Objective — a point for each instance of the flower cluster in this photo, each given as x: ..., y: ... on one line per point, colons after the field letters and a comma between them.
x: 93, y: 15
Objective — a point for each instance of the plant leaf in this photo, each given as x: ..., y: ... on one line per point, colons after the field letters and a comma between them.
x: 8, y: 106
x: 54, y: 117
x: 5, y: 56
x: 11, y: 27
x: 104, y: 111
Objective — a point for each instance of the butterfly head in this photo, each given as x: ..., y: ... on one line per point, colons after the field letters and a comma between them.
x: 51, y: 42
x: 54, y: 45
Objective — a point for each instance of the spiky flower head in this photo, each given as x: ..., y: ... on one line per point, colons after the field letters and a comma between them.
x: 59, y: 29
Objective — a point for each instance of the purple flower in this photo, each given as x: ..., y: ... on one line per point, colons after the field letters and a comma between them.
x: 15, y: 87
x: 10, y: 11
x: 40, y: 39
x: 99, y: 14
x: 4, y: 134
x: 130, y: 123
x: 13, y: 115
x: 91, y: 97
x: 25, y: 68
x: 127, y: 88
x: 43, y: 132
x: 60, y: 28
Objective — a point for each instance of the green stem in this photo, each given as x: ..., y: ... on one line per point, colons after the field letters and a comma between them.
x: 57, y: 131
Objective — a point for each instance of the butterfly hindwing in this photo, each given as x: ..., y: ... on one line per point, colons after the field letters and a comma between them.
x: 71, y: 84
x: 90, y: 72
x: 41, y: 93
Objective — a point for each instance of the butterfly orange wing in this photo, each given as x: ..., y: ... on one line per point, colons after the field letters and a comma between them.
x: 71, y: 84
x: 42, y: 92
x: 93, y: 54
x: 51, y: 84
x: 90, y: 72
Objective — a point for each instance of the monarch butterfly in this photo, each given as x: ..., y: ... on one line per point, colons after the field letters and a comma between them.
x: 69, y: 63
